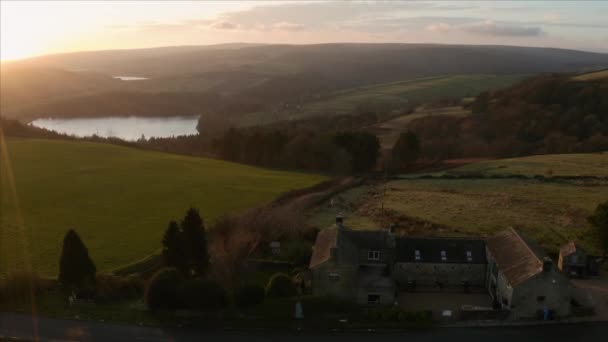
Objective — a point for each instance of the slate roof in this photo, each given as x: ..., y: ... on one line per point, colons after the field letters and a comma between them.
x: 326, y: 240
x: 366, y: 239
x: 430, y: 250
x: 517, y: 260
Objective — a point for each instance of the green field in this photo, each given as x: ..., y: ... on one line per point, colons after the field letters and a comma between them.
x: 550, y: 212
x: 390, y: 95
x: 597, y: 75
x: 119, y: 199
x: 576, y: 164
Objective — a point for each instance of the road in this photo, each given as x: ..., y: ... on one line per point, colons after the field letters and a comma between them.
x: 21, y: 327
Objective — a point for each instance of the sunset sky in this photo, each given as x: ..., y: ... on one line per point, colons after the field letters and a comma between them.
x: 30, y: 28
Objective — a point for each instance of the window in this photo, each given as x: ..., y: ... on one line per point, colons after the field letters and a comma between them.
x: 469, y: 256
x: 334, y: 276
x: 373, y: 299
x: 373, y: 255
x: 417, y: 256
x: 540, y: 299
x: 444, y: 256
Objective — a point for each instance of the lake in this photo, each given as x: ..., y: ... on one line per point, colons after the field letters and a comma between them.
x: 130, y: 78
x: 127, y: 128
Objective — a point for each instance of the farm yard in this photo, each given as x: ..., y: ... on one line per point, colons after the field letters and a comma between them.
x: 548, y: 211
x: 118, y: 199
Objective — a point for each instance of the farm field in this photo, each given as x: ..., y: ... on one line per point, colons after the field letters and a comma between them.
x: 572, y: 165
x: 592, y: 76
x: 118, y: 199
x: 550, y: 212
x: 388, y: 131
x: 390, y: 95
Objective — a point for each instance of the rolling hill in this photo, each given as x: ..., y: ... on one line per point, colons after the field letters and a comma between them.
x: 271, y: 75
x: 118, y: 199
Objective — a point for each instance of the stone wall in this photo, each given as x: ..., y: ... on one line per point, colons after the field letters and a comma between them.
x: 449, y: 274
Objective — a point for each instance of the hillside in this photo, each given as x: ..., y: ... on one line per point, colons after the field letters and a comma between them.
x: 552, y: 212
x: 118, y: 199
x: 543, y: 114
x: 273, y: 75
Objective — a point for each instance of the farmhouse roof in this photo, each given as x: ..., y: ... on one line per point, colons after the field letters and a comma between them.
x: 368, y: 239
x: 515, y: 256
x: 441, y: 250
x: 326, y: 240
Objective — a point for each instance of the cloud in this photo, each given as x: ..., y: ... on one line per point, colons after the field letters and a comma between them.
x: 224, y: 25
x: 440, y: 28
x: 490, y: 28
x: 286, y: 26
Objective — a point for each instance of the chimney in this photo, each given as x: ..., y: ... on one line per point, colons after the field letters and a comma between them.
x: 547, y: 264
x: 339, y: 221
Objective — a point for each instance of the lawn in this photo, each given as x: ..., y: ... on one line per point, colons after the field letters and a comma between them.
x: 118, y: 199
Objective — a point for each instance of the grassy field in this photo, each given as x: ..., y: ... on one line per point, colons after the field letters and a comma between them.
x: 119, y: 199
x: 550, y: 212
x: 393, y: 95
x: 388, y: 131
x: 592, y: 76
x: 576, y: 164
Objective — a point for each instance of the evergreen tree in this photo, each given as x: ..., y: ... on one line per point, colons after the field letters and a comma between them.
x: 76, y: 268
x: 173, y: 248
x: 599, y: 220
x: 195, y: 242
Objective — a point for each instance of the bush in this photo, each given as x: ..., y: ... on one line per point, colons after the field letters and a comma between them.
x: 318, y: 305
x: 249, y: 296
x: 111, y: 287
x: 162, y: 289
x: 202, y: 294
x: 17, y: 287
x: 280, y: 286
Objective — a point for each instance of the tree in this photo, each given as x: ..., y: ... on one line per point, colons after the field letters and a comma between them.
x: 599, y: 220
x: 406, y: 149
x: 162, y: 291
x: 76, y: 269
x: 195, y: 242
x: 363, y: 147
x: 173, y: 248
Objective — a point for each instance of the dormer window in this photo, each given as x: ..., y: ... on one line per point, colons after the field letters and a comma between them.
x: 469, y: 256
x: 417, y: 256
x: 373, y: 255
x: 444, y: 256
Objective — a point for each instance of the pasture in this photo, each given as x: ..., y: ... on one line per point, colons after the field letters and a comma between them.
x: 118, y: 199
x: 386, y: 96
x: 550, y: 212
x: 596, y: 75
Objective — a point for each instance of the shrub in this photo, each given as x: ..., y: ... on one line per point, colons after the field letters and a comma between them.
x: 318, y: 305
x: 280, y: 286
x: 111, y: 287
x: 202, y: 294
x: 162, y: 289
x: 249, y: 296
x: 18, y: 287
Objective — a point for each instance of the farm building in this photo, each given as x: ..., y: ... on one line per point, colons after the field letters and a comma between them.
x: 371, y: 267
x: 522, y: 279
x: 576, y: 263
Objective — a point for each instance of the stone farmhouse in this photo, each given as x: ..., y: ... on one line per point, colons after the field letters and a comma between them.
x: 576, y: 263
x: 371, y: 267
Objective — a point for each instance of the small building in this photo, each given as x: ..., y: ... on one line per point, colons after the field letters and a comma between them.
x: 444, y: 263
x: 576, y: 263
x: 522, y: 279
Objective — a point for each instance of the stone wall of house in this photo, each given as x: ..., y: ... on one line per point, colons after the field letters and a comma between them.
x: 449, y: 274
x: 334, y: 279
x: 549, y: 290
x: 387, y: 295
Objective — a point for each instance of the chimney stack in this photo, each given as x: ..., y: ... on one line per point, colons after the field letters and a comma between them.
x: 339, y: 221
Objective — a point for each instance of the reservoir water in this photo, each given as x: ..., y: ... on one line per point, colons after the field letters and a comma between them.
x: 127, y: 128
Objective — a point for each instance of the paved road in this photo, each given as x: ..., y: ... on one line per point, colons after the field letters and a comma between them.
x: 21, y: 327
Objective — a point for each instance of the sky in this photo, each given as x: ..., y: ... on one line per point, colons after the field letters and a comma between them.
x: 31, y: 28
